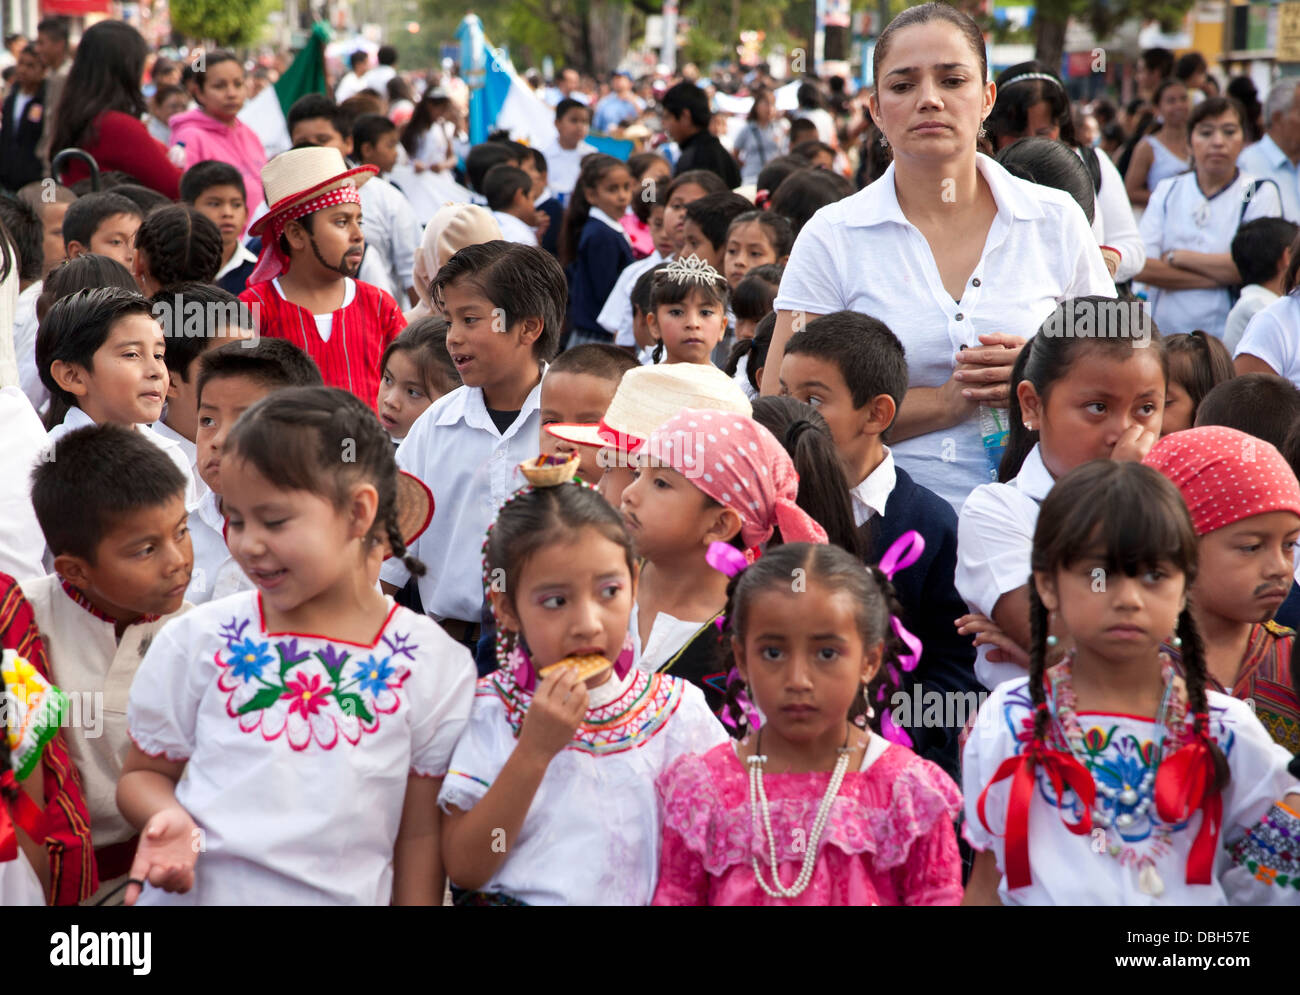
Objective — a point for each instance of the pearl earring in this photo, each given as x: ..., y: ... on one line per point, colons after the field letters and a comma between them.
x: 1176, y: 642
x: 1028, y: 427
x: 1052, y: 640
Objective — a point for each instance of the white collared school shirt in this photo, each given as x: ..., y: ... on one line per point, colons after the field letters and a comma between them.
x: 216, y: 573
x: 862, y: 254
x: 1273, y: 335
x: 471, y: 468
x: 514, y: 230
x: 872, y: 493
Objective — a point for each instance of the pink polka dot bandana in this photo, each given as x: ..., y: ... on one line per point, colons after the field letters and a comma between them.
x: 738, y: 463
x: 273, y: 261
x: 1225, y: 475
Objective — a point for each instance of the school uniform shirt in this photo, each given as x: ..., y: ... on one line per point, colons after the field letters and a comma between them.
x: 1179, y: 216
x: 616, y: 316
x: 298, y: 747
x: 392, y: 234
x: 514, y: 230
x: 563, y: 166
x: 22, y: 119
x: 25, y: 328
x: 550, y: 205
x: 471, y: 467
x: 233, y: 275
x: 995, y: 538
x: 76, y: 418
x: 216, y: 573
x: 591, y: 835
x: 1273, y: 335
x: 1039, y: 251
x: 89, y: 662
x: 190, y: 451
x: 1266, y: 159
x: 872, y: 493
x: 348, y: 345
x: 1253, y: 300
x: 604, y: 251
x: 1112, y: 219
x: 22, y: 444
x: 1067, y: 869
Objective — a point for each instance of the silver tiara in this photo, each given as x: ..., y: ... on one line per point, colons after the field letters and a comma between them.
x: 1025, y: 77
x: 692, y: 269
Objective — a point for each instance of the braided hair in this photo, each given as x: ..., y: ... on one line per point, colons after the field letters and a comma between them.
x: 324, y: 440
x: 873, y: 599
x: 1132, y: 519
x: 181, y: 245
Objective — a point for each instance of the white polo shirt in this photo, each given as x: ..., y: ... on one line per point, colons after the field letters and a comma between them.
x: 471, y: 468
x: 862, y: 254
x: 1273, y: 335
x: 995, y: 540
x: 1179, y: 216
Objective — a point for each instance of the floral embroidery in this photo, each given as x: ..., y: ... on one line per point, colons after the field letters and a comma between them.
x: 281, y: 688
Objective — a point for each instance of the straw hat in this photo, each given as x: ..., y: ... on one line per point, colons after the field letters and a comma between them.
x: 299, y: 175
x: 414, y: 507
x: 648, y: 396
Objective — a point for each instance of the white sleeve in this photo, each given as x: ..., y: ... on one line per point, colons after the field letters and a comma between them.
x: 480, y: 753
x: 1265, y: 202
x: 406, y: 239
x: 1267, y: 339
x: 1086, y: 273
x: 812, y: 281
x: 446, y: 693
x: 1121, y: 231
x: 616, y: 314
x: 163, y: 710
x: 993, y: 548
x: 1152, y: 224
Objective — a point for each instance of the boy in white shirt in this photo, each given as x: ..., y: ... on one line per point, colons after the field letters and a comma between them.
x: 564, y: 155
x: 1261, y: 251
x: 509, y: 195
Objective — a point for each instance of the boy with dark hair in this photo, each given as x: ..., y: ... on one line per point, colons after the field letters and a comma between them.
x: 508, y: 190
x: 52, y: 48
x: 1259, y: 404
x: 374, y: 140
x: 100, y: 353
x: 504, y: 304
x: 577, y: 390
x: 564, y: 155
x: 707, y: 221
x: 803, y: 131
x: 51, y: 204
x: 1261, y: 251
x: 545, y: 201
x: 104, y: 223
x: 686, y: 117
x: 484, y: 157
x: 231, y: 378
x: 852, y: 368
x: 305, y: 281
x: 112, y: 508
x: 216, y: 189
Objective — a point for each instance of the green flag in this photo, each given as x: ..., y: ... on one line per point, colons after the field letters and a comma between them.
x: 307, y: 73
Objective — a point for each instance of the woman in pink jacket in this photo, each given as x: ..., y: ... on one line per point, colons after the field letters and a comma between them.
x: 214, y: 131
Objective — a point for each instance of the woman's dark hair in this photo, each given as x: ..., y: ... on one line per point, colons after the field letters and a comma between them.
x: 759, y: 93
x: 1189, y: 64
x: 755, y: 348
x: 1116, y: 326
x: 778, y: 170
x: 828, y: 565
x: 594, y: 169
x: 1242, y: 89
x: 1212, y: 107
x: 1010, y: 115
x: 181, y: 245
x: 639, y: 164
x: 705, y: 179
x: 214, y: 58
x: 1051, y: 164
x: 924, y: 14
x: 1132, y: 519
x: 752, y: 299
x: 1198, y: 362
x: 806, y: 192
x: 293, y: 438
x: 1160, y: 91
x: 105, y: 76
x: 823, y: 486
x: 425, y: 341
x: 427, y: 110
x: 398, y: 89
x: 541, y: 516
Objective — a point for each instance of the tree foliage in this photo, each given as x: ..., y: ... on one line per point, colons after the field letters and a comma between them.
x: 1103, y: 16
x: 226, y: 22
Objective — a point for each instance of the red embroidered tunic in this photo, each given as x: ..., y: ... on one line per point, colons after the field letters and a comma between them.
x: 360, y: 333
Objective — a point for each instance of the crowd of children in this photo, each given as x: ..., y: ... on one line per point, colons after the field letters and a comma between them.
x: 571, y: 545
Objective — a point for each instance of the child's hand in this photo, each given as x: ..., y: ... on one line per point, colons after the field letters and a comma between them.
x: 1005, y: 649
x: 1134, y: 444
x: 558, y: 706
x: 166, y: 853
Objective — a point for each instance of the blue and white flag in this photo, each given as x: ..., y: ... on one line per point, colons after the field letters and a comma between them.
x: 498, y: 98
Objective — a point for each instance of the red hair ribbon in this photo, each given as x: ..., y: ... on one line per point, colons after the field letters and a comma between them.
x: 25, y: 812
x: 1185, y: 782
x: 1061, y: 769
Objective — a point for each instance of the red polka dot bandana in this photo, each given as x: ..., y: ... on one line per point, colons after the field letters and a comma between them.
x: 738, y: 463
x: 1225, y: 475
x: 273, y: 261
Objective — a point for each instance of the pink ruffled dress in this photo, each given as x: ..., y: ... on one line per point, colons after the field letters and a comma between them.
x: 889, y: 839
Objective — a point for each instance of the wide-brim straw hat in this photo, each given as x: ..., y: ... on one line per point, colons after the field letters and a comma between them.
x: 648, y: 396
x: 414, y: 507
x: 299, y: 175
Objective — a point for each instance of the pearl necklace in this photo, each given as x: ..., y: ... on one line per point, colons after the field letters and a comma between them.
x: 758, y: 803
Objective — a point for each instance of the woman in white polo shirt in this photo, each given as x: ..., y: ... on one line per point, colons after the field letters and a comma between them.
x: 1191, y: 219
x: 960, y: 259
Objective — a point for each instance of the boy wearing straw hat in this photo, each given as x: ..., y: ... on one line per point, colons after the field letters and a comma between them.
x: 304, y: 288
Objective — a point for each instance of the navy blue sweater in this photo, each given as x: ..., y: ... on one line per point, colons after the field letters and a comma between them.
x: 930, y: 603
x: 602, y: 254
x: 554, y: 210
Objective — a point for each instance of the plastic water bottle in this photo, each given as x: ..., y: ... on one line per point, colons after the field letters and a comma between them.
x: 994, y: 427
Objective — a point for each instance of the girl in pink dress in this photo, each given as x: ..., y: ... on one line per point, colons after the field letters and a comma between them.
x: 811, y: 807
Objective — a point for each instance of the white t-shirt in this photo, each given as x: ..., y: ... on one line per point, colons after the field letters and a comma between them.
x: 862, y: 254
x: 995, y: 539
x: 1253, y: 300
x: 591, y: 835
x: 1179, y: 216
x: 515, y: 230
x: 563, y: 166
x: 300, y: 795
x: 1273, y: 335
x: 1066, y: 869
x: 325, y: 322
x: 22, y: 443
